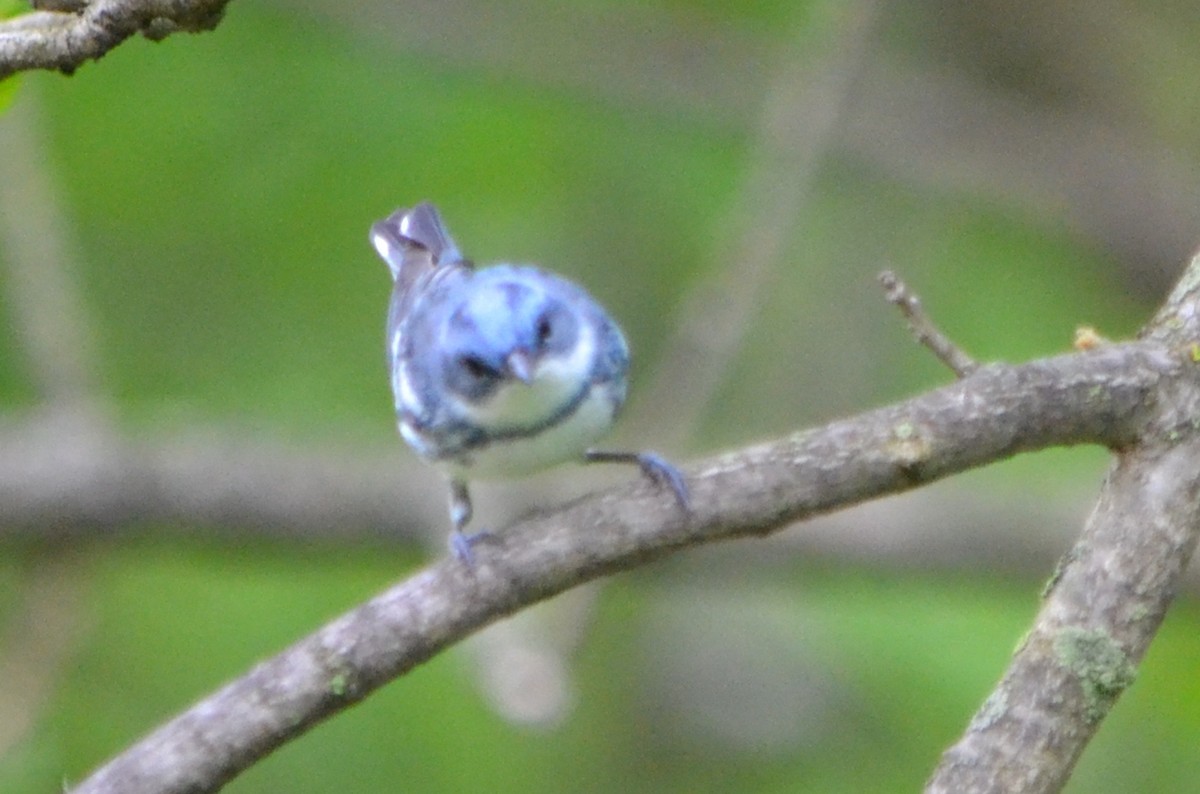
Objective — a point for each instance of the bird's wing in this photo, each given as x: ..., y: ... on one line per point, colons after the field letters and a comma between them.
x: 421, y: 255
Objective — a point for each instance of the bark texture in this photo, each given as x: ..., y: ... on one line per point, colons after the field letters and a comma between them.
x: 1108, y: 597
x: 63, y: 40
x: 1105, y: 396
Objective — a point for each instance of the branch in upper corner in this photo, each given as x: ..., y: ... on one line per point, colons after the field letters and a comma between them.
x: 923, y: 329
x: 63, y: 41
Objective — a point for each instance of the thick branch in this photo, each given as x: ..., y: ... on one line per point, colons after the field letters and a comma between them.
x: 998, y: 411
x: 1108, y: 602
x: 64, y: 41
x: 1108, y: 598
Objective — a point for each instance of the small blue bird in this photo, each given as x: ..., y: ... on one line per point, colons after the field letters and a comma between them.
x: 500, y: 371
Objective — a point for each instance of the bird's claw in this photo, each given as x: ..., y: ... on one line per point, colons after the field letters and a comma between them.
x: 461, y: 543
x: 652, y: 465
x: 665, y: 474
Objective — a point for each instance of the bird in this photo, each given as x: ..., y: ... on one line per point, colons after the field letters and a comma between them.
x: 498, y: 371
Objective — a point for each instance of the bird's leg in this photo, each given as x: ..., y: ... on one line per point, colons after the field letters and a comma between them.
x: 460, y: 514
x: 652, y: 465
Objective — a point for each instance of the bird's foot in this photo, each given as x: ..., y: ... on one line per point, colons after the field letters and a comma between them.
x: 461, y: 543
x: 653, y: 465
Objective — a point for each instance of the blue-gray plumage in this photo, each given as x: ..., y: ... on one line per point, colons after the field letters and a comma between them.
x: 499, y: 371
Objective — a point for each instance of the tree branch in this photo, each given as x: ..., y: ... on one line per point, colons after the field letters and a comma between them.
x: 64, y: 41
x: 1106, y: 604
x: 1108, y: 597
x: 1099, y: 396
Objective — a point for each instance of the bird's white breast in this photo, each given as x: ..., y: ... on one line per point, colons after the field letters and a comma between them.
x: 519, y: 415
x: 567, y: 440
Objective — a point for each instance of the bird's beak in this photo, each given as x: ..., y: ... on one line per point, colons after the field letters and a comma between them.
x: 520, y: 364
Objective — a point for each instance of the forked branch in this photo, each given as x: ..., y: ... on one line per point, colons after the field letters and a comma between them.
x: 1099, y: 396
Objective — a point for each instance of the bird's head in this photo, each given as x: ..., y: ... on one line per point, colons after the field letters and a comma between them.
x: 517, y: 345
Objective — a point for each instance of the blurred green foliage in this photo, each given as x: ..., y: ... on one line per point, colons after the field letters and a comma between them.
x: 10, y: 8
x: 8, y: 90
x: 220, y: 187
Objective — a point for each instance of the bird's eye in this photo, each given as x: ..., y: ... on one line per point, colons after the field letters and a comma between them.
x: 476, y: 367
x: 544, y: 330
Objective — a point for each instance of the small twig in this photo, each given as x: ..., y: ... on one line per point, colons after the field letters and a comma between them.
x: 922, y: 327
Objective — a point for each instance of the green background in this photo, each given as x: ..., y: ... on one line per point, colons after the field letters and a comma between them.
x: 218, y: 189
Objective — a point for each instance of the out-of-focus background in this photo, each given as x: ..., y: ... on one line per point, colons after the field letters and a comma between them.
x: 198, y: 460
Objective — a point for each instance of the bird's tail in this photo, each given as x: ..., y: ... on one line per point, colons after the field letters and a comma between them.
x: 408, y: 237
